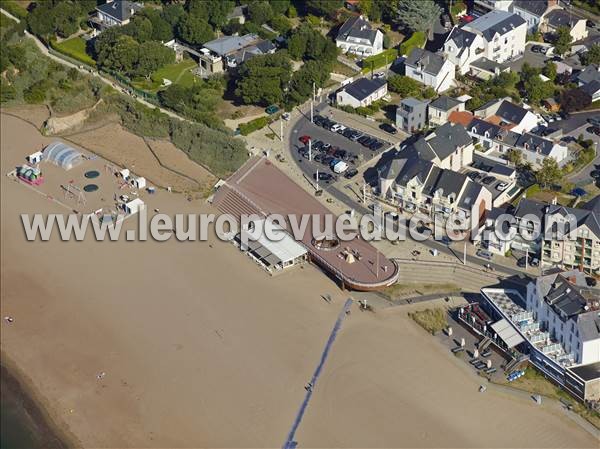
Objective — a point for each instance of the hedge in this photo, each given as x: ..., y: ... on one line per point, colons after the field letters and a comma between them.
x: 417, y: 39
x: 379, y: 60
x: 253, y: 125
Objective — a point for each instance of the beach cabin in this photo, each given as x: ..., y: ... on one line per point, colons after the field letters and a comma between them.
x: 133, y: 206
x: 30, y: 175
x: 138, y: 182
x: 35, y: 158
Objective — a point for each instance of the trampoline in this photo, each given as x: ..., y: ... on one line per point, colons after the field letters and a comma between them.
x: 90, y: 188
x: 92, y: 174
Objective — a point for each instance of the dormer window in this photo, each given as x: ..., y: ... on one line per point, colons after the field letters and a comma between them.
x: 474, y: 130
x: 526, y: 146
x: 451, y: 198
x: 487, y: 134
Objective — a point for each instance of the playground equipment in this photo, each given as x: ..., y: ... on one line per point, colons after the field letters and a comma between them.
x: 72, y: 191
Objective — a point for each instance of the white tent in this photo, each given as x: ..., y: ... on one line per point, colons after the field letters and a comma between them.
x: 35, y: 158
x: 124, y: 173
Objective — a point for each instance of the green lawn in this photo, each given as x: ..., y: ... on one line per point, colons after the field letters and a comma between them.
x: 178, y: 73
x: 75, y: 48
x: 418, y: 39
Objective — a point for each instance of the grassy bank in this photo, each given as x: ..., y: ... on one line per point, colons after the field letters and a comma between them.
x: 377, y: 61
x: 432, y: 320
x: 402, y: 289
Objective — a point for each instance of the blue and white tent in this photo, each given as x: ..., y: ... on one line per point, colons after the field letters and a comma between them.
x: 62, y: 155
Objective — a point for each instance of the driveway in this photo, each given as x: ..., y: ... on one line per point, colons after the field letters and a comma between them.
x: 574, y: 122
x: 533, y: 59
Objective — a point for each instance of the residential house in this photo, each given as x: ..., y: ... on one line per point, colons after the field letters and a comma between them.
x: 441, y: 108
x: 448, y: 146
x: 486, y: 6
x: 507, y: 115
x: 411, y: 114
x: 115, y: 13
x: 418, y: 185
x: 561, y: 18
x: 431, y: 69
x: 462, y: 48
x: 503, y: 35
x: 493, y: 139
x: 589, y: 81
x: 532, y: 11
x: 362, y: 92
x: 357, y: 36
x: 581, y: 250
x: 228, y: 52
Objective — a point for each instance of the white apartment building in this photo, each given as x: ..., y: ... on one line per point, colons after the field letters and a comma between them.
x: 431, y: 69
x: 357, y: 36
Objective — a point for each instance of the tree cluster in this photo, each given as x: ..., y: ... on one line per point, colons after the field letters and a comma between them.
x: 61, y: 17
x: 308, y: 44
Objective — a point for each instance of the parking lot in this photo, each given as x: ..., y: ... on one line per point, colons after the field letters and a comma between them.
x: 336, y: 150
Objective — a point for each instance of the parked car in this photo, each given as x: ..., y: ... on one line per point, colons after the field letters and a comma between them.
x: 536, y: 48
x: 356, y: 136
x: 323, y: 176
x: 335, y: 127
x: 446, y: 23
x: 595, y: 121
x: 271, y: 109
x: 326, y: 147
x: 530, y: 261
x: 316, y: 146
x: 304, y: 139
x: 484, y: 254
x: 590, y: 281
x: 375, y: 145
x: 388, y: 128
x: 595, y: 174
x: 367, y: 142
x: 467, y: 18
x: 318, y: 119
x: 379, y: 75
x: 474, y: 176
x: 488, y: 180
x: 502, y: 186
x: 348, y: 132
x: 340, y: 154
x: 286, y: 116
x: 351, y: 173
x: 363, y: 138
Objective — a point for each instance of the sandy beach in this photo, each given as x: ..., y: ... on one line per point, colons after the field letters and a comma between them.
x: 201, y: 348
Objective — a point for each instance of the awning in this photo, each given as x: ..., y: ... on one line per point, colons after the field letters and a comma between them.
x: 507, y: 333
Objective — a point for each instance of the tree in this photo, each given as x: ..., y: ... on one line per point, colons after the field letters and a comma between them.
x: 305, y: 43
x: 323, y: 7
x: 151, y: 56
x: 66, y: 18
x: 549, y: 173
x: 550, y: 70
x: 592, y: 56
x: 140, y: 28
x: 537, y: 89
x: 575, y: 100
x: 40, y: 20
x: 563, y: 40
x: 162, y: 30
x: 280, y: 6
x: 301, y: 84
x: 121, y: 56
x: 281, y: 24
x: 260, y: 12
x: 173, y: 14
x: 404, y: 86
x: 263, y: 79
x: 515, y: 156
x: 194, y: 30
x: 417, y: 16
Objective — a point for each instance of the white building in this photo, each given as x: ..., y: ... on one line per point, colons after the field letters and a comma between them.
x: 504, y: 113
x: 357, y: 36
x: 561, y: 18
x: 463, y: 47
x: 502, y: 33
x: 431, y: 69
x: 532, y: 11
x: 440, y: 109
x: 115, y: 13
x: 362, y: 92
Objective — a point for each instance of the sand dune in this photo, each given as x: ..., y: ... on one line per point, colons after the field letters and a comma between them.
x: 203, y: 349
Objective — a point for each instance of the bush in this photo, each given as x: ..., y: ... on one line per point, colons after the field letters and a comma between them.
x: 36, y: 93
x: 74, y: 48
x: 376, y: 61
x: 313, y: 20
x: 15, y: 9
x: 253, y: 125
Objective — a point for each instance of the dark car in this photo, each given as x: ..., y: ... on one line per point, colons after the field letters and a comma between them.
x: 488, y: 180
x: 340, y: 154
x: 323, y: 176
x: 318, y: 119
x: 595, y: 174
x: 348, y: 132
x: 367, y: 142
x: 316, y: 146
x: 474, y: 176
x: 530, y: 261
x: 590, y: 281
x: 350, y: 173
x: 356, y: 135
x: 375, y: 145
x: 388, y: 128
x: 327, y: 160
x: 536, y: 48
x: 318, y: 157
x: 363, y: 139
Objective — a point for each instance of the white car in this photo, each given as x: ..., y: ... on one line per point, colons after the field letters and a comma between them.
x: 340, y: 167
x: 501, y: 187
x: 378, y: 75
x: 335, y: 127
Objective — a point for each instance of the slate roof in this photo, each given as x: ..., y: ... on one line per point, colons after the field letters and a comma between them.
x: 448, y: 181
x: 429, y: 62
x: 535, y: 7
x: 591, y: 88
x: 470, y: 194
x: 461, y: 38
x: 559, y: 17
x: 535, y: 143
x: 496, y: 22
x: 229, y: 44
x: 593, y: 204
x: 589, y: 326
x: 363, y: 87
x: 591, y: 219
x: 564, y: 298
x: 444, y: 103
x: 489, y: 66
x: 587, y: 372
x: 119, y: 9
x: 527, y: 206
x: 589, y: 74
x: 442, y: 142
x: 412, y: 102
x: 510, y: 112
x: 357, y: 27
x: 495, y: 132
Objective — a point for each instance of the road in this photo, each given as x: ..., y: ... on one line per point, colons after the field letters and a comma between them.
x: 96, y: 74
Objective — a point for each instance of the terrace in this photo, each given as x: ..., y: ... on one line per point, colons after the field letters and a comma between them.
x: 506, y: 302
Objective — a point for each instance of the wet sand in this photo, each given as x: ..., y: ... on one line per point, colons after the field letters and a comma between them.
x: 201, y: 348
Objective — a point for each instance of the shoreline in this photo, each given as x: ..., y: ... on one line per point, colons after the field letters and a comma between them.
x: 19, y: 393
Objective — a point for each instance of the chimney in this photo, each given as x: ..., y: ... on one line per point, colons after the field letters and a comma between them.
x: 554, y: 201
x: 552, y: 3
